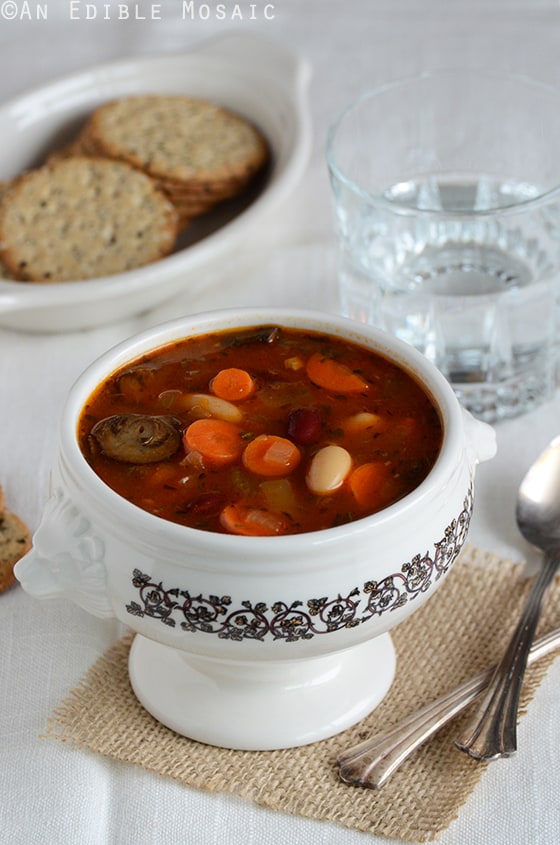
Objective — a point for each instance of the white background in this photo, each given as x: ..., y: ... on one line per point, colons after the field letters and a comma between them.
x: 52, y: 793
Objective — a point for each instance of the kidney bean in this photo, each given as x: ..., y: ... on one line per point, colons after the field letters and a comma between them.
x: 304, y: 425
x: 206, y: 504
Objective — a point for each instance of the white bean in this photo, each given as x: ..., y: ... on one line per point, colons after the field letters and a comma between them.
x: 328, y: 469
x: 364, y: 421
x: 203, y: 405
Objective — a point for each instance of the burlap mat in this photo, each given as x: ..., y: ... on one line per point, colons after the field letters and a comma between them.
x: 461, y: 630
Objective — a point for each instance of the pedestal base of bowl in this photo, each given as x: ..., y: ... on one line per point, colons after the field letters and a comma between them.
x: 260, y: 705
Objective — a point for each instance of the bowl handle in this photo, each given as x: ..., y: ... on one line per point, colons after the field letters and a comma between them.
x: 480, y: 438
x: 66, y: 560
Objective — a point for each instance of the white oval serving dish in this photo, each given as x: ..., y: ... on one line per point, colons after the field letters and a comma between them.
x: 257, y: 77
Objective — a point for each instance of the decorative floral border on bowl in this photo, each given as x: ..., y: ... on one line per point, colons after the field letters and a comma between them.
x: 300, y: 620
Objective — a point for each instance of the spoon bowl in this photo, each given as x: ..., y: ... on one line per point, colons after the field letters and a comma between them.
x: 538, y: 500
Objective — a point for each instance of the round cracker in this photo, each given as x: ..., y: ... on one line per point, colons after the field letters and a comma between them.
x: 4, y: 274
x: 178, y: 138
x: 81, y: 218
x: 15, y: 541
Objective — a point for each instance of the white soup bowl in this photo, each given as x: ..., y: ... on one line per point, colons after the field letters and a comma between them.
x: 256, y: 642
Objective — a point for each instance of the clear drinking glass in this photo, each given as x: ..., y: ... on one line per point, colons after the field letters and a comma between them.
x: 447, y: 196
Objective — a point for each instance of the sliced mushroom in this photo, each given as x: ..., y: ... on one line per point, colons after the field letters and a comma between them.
x: 133, y: 383
x: 137, y: 438
x: 262, y: 334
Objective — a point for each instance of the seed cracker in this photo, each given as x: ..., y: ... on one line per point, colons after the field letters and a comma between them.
x: 15, y: 541
x: 81, y: 218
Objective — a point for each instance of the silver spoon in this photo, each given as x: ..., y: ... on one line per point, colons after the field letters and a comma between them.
x: 492, y: 732
x: 372, y: 762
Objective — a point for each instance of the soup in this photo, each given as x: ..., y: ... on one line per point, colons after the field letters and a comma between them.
x: 262, y: 431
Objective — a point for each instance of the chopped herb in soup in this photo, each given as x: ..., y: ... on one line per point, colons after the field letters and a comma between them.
x: 262, y: 431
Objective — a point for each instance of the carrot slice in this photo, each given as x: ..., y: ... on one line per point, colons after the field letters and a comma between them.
x: 252, y: 522
x: 232, y: 384
x: 332, y: 375
x: 271, y: 456
x: 372, y: 484
x: 218, y: 441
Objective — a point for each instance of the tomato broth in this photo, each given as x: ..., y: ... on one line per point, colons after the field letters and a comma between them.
x: 261, y: 431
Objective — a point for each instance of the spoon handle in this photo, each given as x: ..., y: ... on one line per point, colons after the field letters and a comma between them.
x: 372, y: 762
x: 492, y: 732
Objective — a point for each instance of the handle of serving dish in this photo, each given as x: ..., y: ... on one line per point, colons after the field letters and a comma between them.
x: 66, y: 560
x: 480, y: 438
x: 261, y: 55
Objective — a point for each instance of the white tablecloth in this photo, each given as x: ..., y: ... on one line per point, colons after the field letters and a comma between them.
x: 55, y: 793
